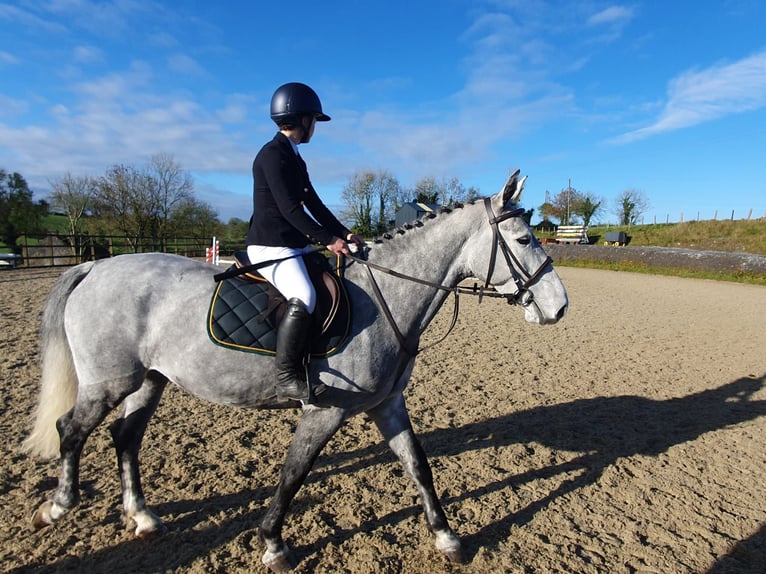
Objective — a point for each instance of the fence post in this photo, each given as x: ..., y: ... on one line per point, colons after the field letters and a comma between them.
x: 50, y: 244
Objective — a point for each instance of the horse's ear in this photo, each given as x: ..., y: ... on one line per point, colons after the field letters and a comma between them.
x: 511, y: 192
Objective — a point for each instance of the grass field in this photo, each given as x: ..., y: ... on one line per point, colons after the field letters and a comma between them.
x: 742, y: 236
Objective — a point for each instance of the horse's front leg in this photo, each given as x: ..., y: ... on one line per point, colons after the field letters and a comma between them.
x: 314, y: 430
x: 393, y: 421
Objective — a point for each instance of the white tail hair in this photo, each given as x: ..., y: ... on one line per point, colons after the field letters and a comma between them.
x: 58, y: 385
x: 58, y: 389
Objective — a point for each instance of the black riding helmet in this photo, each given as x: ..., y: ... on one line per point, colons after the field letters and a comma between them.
x: 294, y: 100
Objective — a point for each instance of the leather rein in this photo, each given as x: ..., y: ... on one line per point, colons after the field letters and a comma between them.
x: 521, y: 277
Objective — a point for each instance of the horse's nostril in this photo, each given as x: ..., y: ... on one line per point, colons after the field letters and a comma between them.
x: 561, y: 312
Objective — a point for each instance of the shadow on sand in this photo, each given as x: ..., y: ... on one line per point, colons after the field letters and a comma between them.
x: 606, y: 429
x: 747, y: 557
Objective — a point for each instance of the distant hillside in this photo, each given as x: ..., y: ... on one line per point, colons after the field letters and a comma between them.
x: 740, y: 236
x: 748, y: 236
x: 724, y: 250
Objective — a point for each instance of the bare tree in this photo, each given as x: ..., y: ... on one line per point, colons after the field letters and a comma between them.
x: 371, y: 198
x: 630, y: 205
x: 442, y: 192
x: 170, y: 186
x: 587, y: 206
x: 141, y: 202
x: 428, y: 190
x: 122, y: 198
x: 74, y: 195
x: 570, y: 205
x: 453, y: 191
x: 562, y: 206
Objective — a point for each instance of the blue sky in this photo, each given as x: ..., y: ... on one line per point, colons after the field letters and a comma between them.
x: 668, y: 98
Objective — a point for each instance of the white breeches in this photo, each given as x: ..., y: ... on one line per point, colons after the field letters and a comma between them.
x: 289, y: 276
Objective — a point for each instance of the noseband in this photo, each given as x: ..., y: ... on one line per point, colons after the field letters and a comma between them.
x: 523, y: 279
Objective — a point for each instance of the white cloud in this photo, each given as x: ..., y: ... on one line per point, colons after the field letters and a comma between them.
x: 237, y: 109
x: 11, y: 107
x: 118, y: 118
x: 614, y: 15
x: 7, y: 58
x: 608, y: 24
x: 110, y: 19
x: 185, y: 65
x: 87, y: 54
x: 27, y: 19
x: 163, y: 39
x: 116, y: 86
x: 696, y: 97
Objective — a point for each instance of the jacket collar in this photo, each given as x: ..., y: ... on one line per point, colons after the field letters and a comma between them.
x: 286, y: 142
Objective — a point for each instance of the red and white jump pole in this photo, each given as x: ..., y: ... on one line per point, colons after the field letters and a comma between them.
x: 212, y: 252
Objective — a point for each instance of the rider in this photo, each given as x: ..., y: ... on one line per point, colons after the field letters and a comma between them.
x: 280, y: 228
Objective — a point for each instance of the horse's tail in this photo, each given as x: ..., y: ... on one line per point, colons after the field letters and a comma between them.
x: 58, y: 384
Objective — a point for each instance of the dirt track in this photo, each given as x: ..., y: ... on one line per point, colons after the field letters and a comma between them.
x: 630, y: 437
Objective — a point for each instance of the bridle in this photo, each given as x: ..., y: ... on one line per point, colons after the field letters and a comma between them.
x: 521, y: 277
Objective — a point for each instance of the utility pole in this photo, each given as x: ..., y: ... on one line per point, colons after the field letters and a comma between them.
x: 569, y: 197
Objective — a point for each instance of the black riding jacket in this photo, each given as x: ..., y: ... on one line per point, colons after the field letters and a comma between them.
x: 281, y: 191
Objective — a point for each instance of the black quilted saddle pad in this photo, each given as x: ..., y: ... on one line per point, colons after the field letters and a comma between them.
x: 240, y: 318
x: 244, y: 315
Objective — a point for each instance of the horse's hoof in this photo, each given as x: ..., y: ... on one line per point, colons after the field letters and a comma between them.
x: 148, y: 525
x: 449, y: 545
x: 150, y: 533
x: 455, y: 556
x: 42, y: 517
x: 278, y: 562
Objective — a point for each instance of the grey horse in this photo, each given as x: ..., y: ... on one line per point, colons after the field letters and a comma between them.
x: 118, y: 330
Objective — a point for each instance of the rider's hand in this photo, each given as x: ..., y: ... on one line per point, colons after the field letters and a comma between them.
x: 341, y: 247
x: 356, y: 240
x: 338, y: 246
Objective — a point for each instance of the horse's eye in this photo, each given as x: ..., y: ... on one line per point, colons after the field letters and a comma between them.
x: 526, y: 240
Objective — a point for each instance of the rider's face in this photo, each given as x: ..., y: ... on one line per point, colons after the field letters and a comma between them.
x: 308, y: 128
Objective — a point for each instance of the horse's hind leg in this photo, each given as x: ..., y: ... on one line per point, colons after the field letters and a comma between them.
x: 128, y: 433
x: 314, y: 429
x: 74, y: 428
x: 393, y: 421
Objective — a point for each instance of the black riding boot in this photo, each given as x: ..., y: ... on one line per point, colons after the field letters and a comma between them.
x: 292, y: 335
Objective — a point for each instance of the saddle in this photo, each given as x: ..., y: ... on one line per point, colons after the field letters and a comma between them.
x: 245, y: 310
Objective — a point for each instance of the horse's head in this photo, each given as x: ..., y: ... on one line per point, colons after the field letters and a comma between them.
x: 506, y: 254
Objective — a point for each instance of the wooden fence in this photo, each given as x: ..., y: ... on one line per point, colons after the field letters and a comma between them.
x: 53, y: 250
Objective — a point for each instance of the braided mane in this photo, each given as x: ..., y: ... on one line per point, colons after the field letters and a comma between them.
x: 393, y: 232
